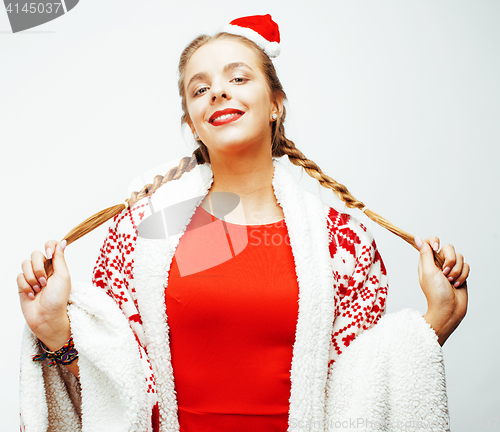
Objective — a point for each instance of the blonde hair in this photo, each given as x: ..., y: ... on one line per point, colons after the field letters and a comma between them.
x: 281, y: 146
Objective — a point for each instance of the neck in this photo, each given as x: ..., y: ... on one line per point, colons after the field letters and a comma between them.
x: 251, y: 179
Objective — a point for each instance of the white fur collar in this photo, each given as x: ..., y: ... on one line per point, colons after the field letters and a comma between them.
x: 305, y: 219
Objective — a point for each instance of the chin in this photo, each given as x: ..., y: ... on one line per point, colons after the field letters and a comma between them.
x: 226, y: 141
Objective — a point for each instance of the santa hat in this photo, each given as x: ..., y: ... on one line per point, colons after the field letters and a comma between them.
x: 260, y: 29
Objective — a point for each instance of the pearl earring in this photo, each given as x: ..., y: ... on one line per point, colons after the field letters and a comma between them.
x: 196, y: 136
x: 274, y: 116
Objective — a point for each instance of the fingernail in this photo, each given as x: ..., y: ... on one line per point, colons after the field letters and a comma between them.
x: 418, y: 242
x: 450, y: 278
x: 457, y: 284
x: 42, y: 281
x: 36, y: 288
x: 446, y: 271
x: 31, y: 296
x: 48, y: 252
x: 436, y: 246
x: 63, y: 244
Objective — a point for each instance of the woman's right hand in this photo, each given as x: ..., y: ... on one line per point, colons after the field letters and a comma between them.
x: 44, y: 297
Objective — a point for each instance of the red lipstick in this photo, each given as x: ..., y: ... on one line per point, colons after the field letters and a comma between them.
x: 228, y: 115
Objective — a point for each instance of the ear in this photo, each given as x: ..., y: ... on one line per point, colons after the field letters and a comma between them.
x: 278, y: 104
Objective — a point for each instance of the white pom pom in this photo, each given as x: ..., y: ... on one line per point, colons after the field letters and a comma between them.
x: 273, y: 49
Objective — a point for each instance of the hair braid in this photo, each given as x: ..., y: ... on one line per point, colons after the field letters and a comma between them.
x: 297, y: 158
x: 186, y: 164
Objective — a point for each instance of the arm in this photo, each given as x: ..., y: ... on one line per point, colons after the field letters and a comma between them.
x: 44, y: 298
x: 360, y: 280
x: 112, y: 366
x: 390, y: 365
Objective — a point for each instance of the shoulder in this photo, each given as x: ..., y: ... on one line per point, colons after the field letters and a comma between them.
x: 128, y: 220
x: 116, y: 253
x: 350, y: 241
x: 347, y: 230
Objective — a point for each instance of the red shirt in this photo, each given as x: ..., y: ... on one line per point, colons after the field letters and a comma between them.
x: 232, y: 308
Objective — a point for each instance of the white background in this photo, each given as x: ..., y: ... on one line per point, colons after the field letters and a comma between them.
x: 398, y: 100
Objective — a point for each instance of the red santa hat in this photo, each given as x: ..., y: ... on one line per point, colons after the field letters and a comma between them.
x: 260, y: 29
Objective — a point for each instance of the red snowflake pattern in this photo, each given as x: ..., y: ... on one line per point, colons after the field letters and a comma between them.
x: 113, y: 272
x: 361, y: 284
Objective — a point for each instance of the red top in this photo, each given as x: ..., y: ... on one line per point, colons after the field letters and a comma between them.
x: 232, y: 307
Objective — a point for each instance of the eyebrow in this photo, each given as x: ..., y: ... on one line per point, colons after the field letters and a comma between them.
x: 236, y: 65
x: 230, y: 66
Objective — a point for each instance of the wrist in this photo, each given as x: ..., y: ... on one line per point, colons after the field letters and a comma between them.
x: 58, y: 336
x: 65, y: 355
x: 442, y: 329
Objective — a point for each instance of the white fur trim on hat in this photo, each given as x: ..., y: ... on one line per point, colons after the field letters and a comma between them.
x: 272, y: 49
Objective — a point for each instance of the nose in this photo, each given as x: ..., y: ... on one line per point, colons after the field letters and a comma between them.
x: 222, y: 96
x: 220, y: 91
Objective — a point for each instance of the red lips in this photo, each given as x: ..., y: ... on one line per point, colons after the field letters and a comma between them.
x: 225, y: 116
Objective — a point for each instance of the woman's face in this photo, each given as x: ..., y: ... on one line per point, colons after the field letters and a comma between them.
x: 228, y: 99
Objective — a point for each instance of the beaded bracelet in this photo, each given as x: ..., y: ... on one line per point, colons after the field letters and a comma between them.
x: 64, y: 356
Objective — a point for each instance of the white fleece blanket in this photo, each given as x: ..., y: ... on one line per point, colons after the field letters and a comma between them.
x: 349, y: 361
x: 390, y: 378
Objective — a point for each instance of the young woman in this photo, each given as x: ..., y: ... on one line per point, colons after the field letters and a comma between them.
x: 225, y: 297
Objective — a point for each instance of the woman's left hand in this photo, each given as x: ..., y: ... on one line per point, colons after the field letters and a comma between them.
x: 445, y: 289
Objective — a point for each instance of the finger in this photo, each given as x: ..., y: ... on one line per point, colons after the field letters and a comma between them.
x: 24, y: 288
x: 49, y: 252
x: 456, y: 271
x: 426, y: 254
x: 58, y: 260
x: 29, y: 276
x: 37, y: 263
x: 50, y: 246
x: 433, y: 242
x: 460, y: 281
x: 449, y: 256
